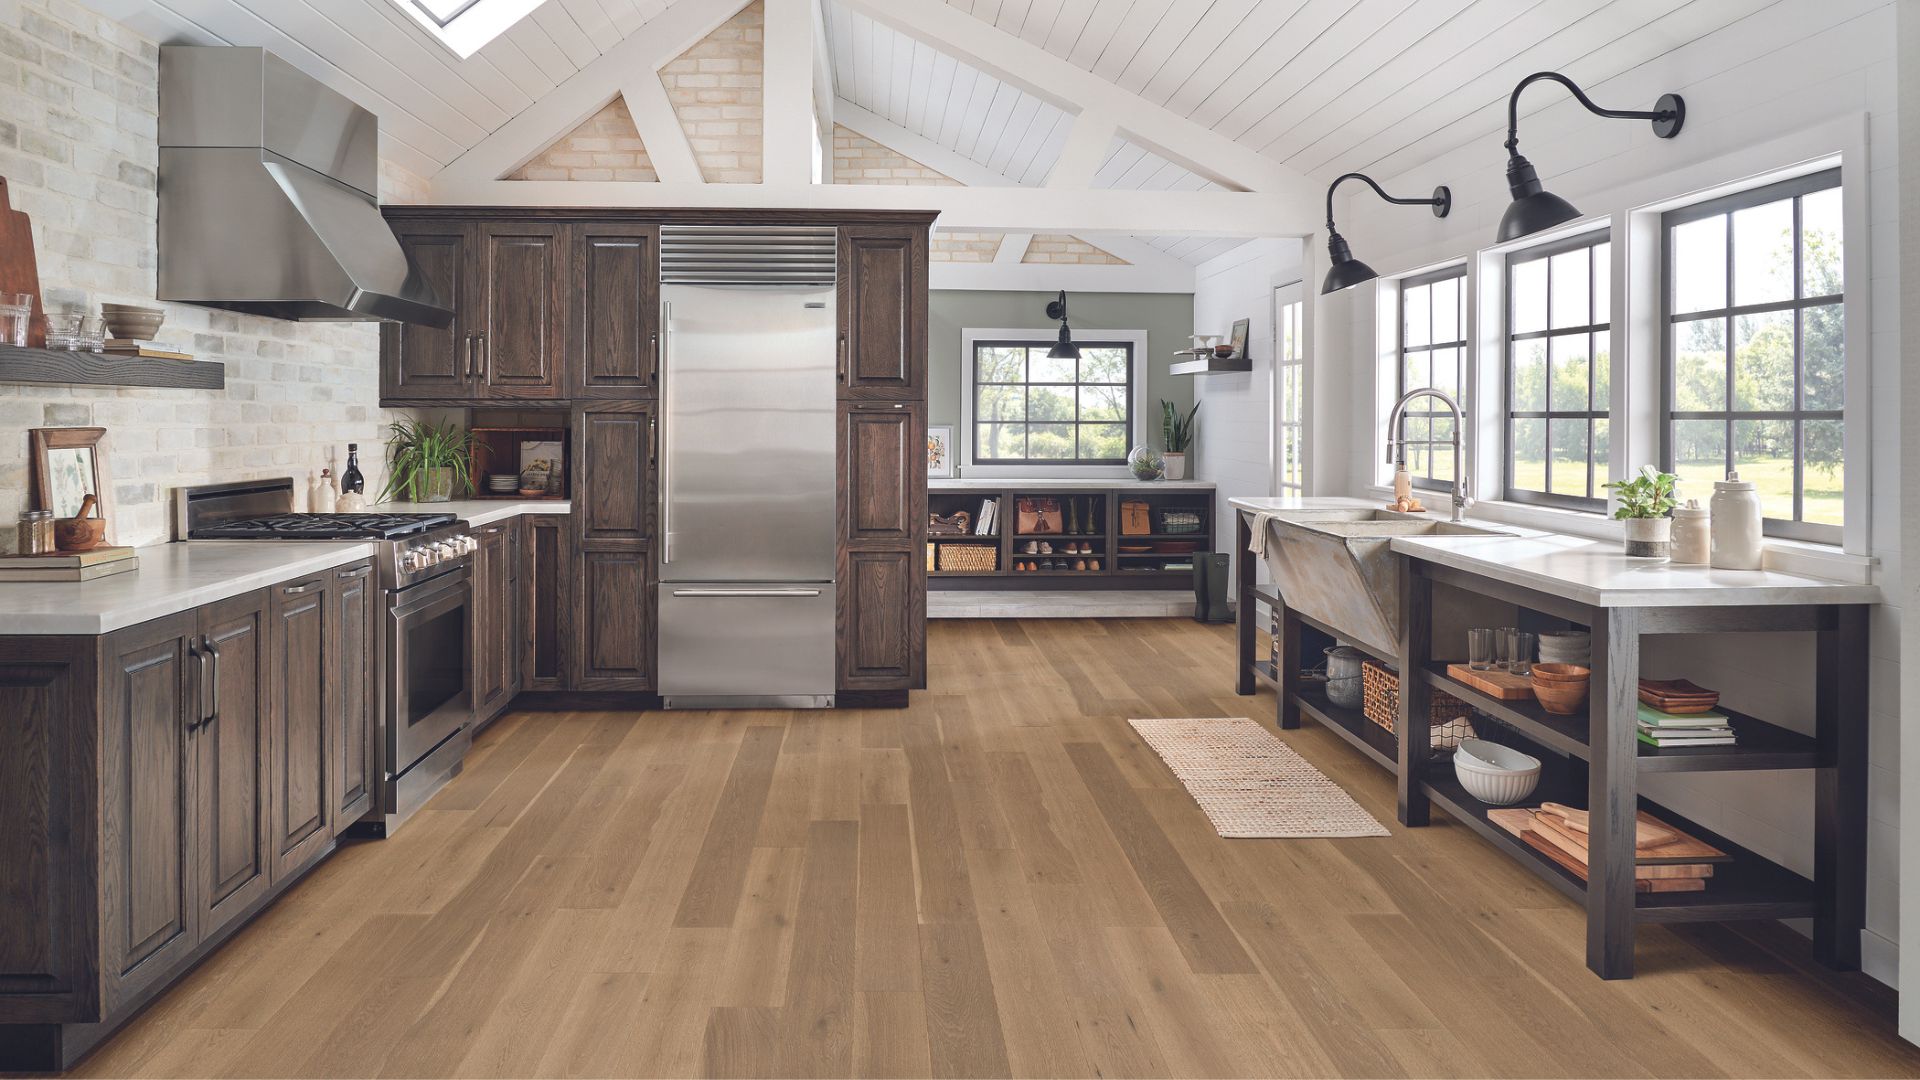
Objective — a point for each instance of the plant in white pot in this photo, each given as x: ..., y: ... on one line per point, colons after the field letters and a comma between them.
x: 1645, y: 504
x: 1178, y: 431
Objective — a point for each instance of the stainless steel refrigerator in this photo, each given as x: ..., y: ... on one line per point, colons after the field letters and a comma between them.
x: 747, y: 468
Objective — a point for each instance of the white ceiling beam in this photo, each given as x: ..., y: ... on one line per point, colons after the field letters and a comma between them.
x: 983, y: 209
x: 1012, y: 249
x: 588, y: 90
x: 1048, y: 277
x: 1043, y: 74
x: 787, y: 73
x: 1086, y: 149
x: 660, y: 129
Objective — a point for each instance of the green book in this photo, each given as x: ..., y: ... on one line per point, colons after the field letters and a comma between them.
x: 1653, y: 717
x: 1656, y: 741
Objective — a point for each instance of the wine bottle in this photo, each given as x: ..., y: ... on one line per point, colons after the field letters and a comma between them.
x: 351, y: 480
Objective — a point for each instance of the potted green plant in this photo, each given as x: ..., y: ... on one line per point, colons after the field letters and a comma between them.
x: 426, y: 461
x: 1645, y: 504
x: 1178, y: 432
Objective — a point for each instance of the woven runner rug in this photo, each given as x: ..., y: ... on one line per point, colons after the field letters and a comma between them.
x: 1250, y: 784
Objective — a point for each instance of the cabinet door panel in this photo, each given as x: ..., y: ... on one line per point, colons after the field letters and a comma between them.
x: 356, y: 666
x: 615, y: 631
x: 148, y: 686
x: 883, y: 461
x: 883, y: 311
x: 522, y: 272
x: 229, y: 760
x: 424, y: 362
x: 616, y: 314
x: 616, y: 456
x: 494, y: 647
x: 546, y: 573
x: 882, y: 620
x: 301, y: 724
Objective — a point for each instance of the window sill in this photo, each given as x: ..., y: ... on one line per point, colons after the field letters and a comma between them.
x: 1826, y: 561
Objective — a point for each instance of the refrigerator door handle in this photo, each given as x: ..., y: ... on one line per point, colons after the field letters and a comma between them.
x: 665, y: 415
x: 747, y: 592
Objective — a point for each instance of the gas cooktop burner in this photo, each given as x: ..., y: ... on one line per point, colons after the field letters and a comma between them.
x: 323, y: 527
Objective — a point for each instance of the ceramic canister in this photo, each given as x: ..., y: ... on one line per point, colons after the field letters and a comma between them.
x: 1692, y: 534
x: 1735, y: 530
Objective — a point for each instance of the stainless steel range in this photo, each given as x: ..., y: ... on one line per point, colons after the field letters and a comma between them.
x: 426, y: 641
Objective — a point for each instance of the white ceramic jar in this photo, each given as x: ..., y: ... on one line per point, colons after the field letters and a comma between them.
x: 1736, y: 524
x: 1692, y: 534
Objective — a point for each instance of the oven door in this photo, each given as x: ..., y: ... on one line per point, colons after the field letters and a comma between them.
x: 429, y: 661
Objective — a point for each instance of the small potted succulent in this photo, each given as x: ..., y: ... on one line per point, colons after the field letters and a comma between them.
x: 1178, y: 432
x: 1645, y: 504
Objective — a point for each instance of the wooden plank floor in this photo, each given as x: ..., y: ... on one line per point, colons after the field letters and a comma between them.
x: 1001, y: 880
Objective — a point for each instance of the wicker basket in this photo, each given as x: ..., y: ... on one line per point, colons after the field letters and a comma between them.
x: 970, y: 558
x: 1452, y: 719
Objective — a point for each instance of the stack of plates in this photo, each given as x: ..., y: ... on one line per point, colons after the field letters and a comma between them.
x: 503, y: 483
x: 1566, y: 647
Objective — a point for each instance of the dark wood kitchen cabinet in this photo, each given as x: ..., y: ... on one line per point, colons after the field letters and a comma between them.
x: 230, y: 796
x: 614, y: 328
x: 615, y: 443
x: 545, y: 589
x: 301, y: 726
x: 882, y: 619
x: 357, y: 610
x: 883, y: 311
x: 426, y: 363
x: 613, y: 560
x: 885, y: 477
x: 613, y: 632
x: 496, y: 619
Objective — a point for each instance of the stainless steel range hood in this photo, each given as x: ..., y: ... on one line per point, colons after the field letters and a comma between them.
x: 267, y: 195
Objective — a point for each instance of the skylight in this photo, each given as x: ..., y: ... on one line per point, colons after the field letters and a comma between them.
x: 465, y: 25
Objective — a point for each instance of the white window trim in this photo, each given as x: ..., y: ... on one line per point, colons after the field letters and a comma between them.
x: 1637, y: 270
x: 1142, y: 421
x: 1304, y: 341
x: 470, y: 30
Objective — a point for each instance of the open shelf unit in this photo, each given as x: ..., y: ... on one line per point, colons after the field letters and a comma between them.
x: 1090, y: 519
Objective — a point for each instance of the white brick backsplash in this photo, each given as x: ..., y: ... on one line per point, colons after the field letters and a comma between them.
x: 79, y: 99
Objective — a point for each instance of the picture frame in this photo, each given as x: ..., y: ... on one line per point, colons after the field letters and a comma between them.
x: 1238, y: 339
x: 939, y: 451
x: 68, y: 464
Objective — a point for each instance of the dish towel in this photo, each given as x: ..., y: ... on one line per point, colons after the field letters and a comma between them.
x: 1257, y: 543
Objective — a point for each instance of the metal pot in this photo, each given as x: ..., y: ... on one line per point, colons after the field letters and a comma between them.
x: 1343, y: 676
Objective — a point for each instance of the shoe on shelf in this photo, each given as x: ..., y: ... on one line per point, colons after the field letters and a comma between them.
x: 1033, y: 547
x: 1046, y: 548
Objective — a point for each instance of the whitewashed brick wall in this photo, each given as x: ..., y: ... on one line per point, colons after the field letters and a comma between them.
x: 606, y: 146
x: 1061, y: 248
x: 859, y: 160
x: 715, y: 90
x: 78, y: 129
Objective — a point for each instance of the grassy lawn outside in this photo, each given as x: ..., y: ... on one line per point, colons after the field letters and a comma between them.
x: 1773, y: 477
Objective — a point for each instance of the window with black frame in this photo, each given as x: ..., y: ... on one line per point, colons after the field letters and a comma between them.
x: 1433, y: 350
x: 1558, y: 372
x: 1033, y: 409
x: 1755, y: 350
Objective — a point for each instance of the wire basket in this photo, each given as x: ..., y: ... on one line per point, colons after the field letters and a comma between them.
x: 1176, y: 522
x: 1451, y: 718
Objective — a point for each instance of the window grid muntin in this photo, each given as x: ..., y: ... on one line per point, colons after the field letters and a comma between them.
x: 974, y: 383
x: 1291, y: 363
x: 1427, y: 409
x: 1795, y: 189
x: 1596, y: 470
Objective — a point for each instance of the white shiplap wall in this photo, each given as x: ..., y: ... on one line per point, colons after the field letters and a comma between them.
x: 1795, y: 65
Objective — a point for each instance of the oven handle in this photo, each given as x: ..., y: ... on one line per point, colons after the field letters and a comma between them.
x: 746, y: 592
x: 418, y: 598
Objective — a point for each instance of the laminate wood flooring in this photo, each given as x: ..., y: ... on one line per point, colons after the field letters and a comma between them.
x: 1000, y: 880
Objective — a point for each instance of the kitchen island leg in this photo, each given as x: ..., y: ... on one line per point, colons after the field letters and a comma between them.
x: 1613, y: 791
x: 1840, y: 787
x: 1415, y: 741
x: 1244, y: 605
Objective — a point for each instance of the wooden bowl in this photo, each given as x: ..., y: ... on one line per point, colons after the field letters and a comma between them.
x: 79, y: 534
x: 1561, y: 674
x: 1563, y: 700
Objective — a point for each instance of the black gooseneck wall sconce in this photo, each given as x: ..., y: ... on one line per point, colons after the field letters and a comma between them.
x: 1344, y: 271
x: 1064, y: 349
x: 1534, y: 208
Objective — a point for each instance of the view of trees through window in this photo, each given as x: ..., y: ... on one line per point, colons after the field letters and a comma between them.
x: 1559, y: 371
x: 1756, y: 353
x: 1290, y: 363
x: 1433, y: 347
x: 1029, y: 407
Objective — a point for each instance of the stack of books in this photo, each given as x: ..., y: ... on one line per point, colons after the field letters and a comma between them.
x: 68, y: 565
x: 1666, y: 729
x: 1665, y: 859
x: 987, y: 523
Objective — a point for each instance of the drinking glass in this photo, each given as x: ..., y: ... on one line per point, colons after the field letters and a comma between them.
x: 63, y: 331
x: 1480, y: 650
x: 92, y: 336
x: 16, y: 315
x: 1520, y: 645
x: 1500, y: 636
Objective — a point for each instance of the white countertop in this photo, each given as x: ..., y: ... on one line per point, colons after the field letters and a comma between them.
x: 1022, y: 484
x: 178, y: 577
x: 1588, y: 571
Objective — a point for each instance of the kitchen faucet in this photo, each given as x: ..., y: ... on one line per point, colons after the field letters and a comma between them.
x: 1397, y: 446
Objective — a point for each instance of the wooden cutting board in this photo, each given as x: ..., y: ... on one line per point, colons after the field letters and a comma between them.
x: 1520, y: 823
x: 19, y: 268
x: 1499, y: 685
x: 1575, y: 845
x: 1681, y: 849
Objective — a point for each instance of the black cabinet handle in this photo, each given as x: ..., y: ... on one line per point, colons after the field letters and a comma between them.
x: 843, y: 356
x: 653, y: 340
x: 213, y: 710
x: 198, y: 715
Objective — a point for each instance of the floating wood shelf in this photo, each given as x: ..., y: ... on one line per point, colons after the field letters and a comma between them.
x: 49, y: 367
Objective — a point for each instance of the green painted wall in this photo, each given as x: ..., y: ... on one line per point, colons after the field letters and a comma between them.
x: 1166, y: 317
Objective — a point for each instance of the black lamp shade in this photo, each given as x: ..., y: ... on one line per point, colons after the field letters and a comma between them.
x: 1064, y: 349
x: 1534, y: 209
x: 1343, y: 270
